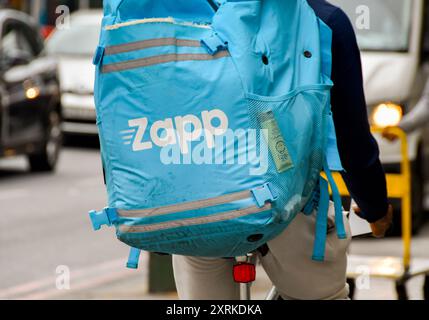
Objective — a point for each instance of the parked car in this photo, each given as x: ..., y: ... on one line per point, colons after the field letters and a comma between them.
x: 30, y: 105
x: 74, y: 48
x: 394, y: 42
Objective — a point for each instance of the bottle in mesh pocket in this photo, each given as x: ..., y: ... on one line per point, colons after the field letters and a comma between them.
x: 275, y: 141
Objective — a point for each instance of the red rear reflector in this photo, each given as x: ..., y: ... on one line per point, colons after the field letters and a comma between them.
x: 244, y: 272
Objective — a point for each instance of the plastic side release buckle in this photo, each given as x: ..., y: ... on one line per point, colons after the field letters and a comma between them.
x: 100, y: 218
x: 98, y: 56
x: 264, y: 194
x: 244, y: 272
x: 214, y: 43
x: 133, y: 258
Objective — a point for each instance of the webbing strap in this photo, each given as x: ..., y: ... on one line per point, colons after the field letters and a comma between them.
x: 339, y: 219
x: 133, y: 258
x: 321, y: 222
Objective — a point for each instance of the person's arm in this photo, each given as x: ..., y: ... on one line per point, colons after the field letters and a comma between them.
x: 359, y: 153
x: 419, y: 116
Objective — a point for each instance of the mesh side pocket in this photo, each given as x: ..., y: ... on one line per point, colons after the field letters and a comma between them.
x: 294, y: 132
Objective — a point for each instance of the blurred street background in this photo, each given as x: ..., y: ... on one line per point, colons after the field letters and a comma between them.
x: 50, y: 167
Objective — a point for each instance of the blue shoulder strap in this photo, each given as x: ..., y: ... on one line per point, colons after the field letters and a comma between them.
x: 331, y: 162
x: 332, y: 153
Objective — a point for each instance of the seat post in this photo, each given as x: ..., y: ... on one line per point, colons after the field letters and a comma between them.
x: 245, y: 293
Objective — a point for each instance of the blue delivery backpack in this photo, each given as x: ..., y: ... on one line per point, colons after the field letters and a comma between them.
x: 215, y: 124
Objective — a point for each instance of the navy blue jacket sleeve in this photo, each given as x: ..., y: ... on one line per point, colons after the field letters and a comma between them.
x: 359, y: 153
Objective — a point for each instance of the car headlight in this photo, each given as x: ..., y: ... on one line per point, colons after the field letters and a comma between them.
x: 387, y: 115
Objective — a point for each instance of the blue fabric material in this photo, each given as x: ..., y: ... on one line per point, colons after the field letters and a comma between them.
x: 321, y: 222
x: 267, y: 80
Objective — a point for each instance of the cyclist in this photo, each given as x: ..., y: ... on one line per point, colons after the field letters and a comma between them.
x: 287, y: 258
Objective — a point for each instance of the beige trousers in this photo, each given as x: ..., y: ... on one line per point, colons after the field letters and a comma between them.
x: 288, y: 264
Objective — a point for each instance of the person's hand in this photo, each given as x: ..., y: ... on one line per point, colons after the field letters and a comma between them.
x: 389, y: 135
x: 379, y: 227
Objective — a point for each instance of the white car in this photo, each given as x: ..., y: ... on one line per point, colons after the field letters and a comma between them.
x: 74, y: 47
x: 394, y: 41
